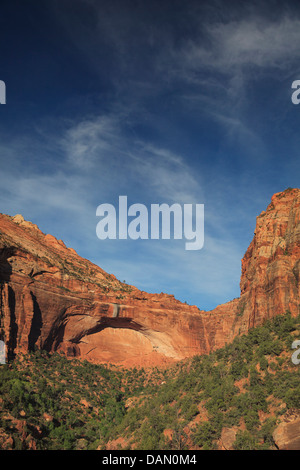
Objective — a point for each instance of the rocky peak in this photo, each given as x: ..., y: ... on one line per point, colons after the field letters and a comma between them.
x: 270, y: 268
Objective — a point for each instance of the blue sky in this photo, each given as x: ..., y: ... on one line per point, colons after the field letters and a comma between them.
x: 162, y: 101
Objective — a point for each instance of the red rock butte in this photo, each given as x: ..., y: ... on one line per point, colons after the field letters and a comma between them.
x: 53, y: 299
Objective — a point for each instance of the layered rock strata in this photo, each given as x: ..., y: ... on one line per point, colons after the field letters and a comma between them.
x: 53, y: 299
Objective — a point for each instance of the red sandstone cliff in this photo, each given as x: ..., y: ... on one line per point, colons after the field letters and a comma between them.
x: 271, y: 266
x: 51, y: 298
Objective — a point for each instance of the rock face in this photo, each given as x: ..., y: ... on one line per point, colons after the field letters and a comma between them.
x: 286, y: 435
x: 53, y: 299
x: 271, y: 266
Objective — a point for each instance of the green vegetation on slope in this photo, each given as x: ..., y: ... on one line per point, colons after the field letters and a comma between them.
x: 49, y: 402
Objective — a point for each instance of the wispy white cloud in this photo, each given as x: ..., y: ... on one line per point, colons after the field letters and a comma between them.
x: 103, y: 144
x: 254, y: 42
x: 166, y: 174
x: 90, y: 142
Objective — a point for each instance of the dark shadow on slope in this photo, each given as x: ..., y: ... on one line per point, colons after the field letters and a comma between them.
x: 36, y: 325
x: 5, y: 274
